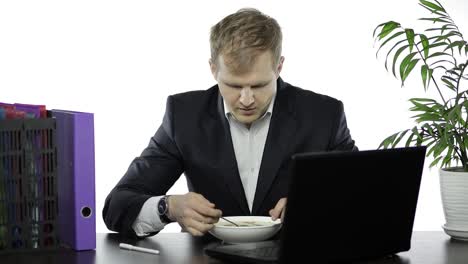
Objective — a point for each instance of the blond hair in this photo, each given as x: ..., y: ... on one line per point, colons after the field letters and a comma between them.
x: 242, y: 36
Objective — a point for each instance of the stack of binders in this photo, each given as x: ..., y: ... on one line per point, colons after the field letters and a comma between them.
x: 28, y: 176
x: 76, y: 183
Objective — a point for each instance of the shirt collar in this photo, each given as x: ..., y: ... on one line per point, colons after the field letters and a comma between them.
x: 269, y: 111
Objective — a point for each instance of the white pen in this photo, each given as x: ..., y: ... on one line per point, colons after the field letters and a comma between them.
x: 140, y: 249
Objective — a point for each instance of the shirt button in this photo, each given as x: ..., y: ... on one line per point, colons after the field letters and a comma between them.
x: 252, y: 169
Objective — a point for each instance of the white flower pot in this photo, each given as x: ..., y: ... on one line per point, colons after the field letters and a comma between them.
x: 454, y: 191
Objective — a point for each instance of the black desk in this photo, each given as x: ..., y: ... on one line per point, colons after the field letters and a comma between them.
x: 427, y: 248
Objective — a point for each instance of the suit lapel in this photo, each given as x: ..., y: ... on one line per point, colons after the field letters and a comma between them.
x: 281, y: 130
x: 230, y: 170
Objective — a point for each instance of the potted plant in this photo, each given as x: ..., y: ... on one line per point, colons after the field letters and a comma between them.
x: 440, y: 56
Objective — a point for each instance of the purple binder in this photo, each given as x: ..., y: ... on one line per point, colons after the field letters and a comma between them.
x: 75, y: 179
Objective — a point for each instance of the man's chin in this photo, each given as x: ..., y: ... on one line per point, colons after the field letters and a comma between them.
x: 246, y: 119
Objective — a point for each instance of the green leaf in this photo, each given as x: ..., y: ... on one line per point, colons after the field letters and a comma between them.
x: 422, y: 100
x: 410, y: 37
x: 460, y: 116
x: 430, y: 150
x: 419, y: 106
x: 450, y: 78
x: 425, y: 44
x: 387, y: 29
x: 432, y: 6
x: 439, y: 128
x: 442, y: 29
x: 440, y: 20
x: 453, y: 72
x: 435, y: 12
x: 429, y: 77
x: 430, y: 144
x: 460, y: 46
x: 459, y: 43
x: 377, y: 27
x: 454, y: 112
x: 409, y: 140
x: 419, y: 138
x: 429, y: 129
x: 457, y: 98
x: 440, y: 66
x: 449, y: 84
x: 428, y: 113
x: 440, y: 5
x: 447, y: 36
x: 440, y: 61
x: 390, y: 51
x: 439, y: 148
x: 428, y: 117
x: 395, y: 57
x: 388, y: 141
x: 455, y: 33
x: 438, y: 54
x: 408, y: 70
x: 402, y: 134
x: 383, y: 24
x: 404, y: 63
x: 438, y: 44
x: 389, y: 39
x: 448, y: 157
x: 445, y: 27
x: 424, y: 71
x: 435, y: 162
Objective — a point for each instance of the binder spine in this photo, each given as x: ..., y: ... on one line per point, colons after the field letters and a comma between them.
x: 85, y: 182
x: 76, y: 170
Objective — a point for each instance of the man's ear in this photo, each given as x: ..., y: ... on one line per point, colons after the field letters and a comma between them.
x: 213, y: 68
x: 280, y: 66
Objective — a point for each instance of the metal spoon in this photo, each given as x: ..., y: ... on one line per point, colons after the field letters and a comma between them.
x: 230, y: 222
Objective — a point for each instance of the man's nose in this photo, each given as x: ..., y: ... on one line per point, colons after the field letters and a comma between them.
x: 246, y: 97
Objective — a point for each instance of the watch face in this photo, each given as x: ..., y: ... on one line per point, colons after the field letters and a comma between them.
x: 162, y: 206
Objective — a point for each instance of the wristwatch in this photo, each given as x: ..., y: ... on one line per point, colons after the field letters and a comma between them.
x: 163, y: 210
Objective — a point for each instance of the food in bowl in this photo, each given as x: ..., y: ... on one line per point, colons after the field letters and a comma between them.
x: 247, y: 223
x: 250, y: 229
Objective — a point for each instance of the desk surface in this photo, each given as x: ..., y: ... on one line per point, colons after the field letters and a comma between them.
x: 426, y: 248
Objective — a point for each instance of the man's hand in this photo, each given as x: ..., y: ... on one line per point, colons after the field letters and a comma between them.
x: 193, y: 212
x: 279, y: 210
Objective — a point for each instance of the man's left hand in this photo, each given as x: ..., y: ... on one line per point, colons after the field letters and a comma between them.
x: 279, y: 209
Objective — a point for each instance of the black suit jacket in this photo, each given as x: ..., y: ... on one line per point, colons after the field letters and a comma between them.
x: 195, y: 139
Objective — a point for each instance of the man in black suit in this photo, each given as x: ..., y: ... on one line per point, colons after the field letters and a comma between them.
x: 233, y: 141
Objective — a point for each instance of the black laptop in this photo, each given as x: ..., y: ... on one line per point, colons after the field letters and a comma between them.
x: 342, y: 207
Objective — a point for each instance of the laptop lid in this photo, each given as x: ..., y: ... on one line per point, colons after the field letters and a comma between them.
x: 352, y: 205
x: 343, y: 206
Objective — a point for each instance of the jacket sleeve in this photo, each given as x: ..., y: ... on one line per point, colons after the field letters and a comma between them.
x: 152, y: 174
x: 341, y: 138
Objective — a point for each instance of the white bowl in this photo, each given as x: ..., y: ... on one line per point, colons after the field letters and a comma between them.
x: 258, y: 228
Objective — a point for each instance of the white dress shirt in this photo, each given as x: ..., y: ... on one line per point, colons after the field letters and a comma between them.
x: 248, y: 146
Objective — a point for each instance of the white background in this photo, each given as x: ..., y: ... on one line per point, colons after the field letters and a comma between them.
x: 121, y: 59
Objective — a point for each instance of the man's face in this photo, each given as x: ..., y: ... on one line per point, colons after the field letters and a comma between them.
x: 249, y: 94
